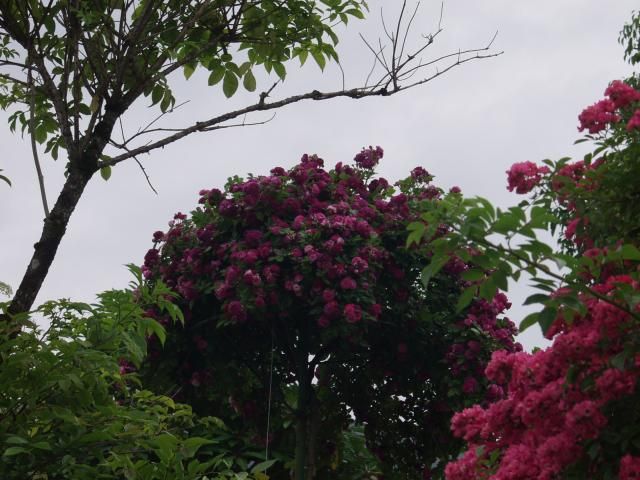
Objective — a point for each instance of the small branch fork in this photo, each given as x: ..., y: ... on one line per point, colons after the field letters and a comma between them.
x: 397, y: 71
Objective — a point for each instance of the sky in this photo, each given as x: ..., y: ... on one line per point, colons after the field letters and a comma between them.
x: 466, y: 128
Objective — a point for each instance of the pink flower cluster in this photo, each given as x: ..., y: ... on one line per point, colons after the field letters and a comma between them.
x: 368, y: 158
x: 556, y: 398
x: 600, y: 115
x: 525, y: 176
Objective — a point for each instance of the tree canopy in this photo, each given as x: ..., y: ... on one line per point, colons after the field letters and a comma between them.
x: 306, y: 311
x: 71, y: 69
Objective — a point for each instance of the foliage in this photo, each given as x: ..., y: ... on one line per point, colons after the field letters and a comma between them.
x: 355, y: 461
x: 122, y: 49
x: 305, y: 274
x: 70, y: 408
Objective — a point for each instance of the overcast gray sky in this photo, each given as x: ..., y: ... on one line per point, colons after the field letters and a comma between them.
x: 466, y: 127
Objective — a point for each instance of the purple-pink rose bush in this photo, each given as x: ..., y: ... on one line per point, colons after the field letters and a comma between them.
x: 306, y: 312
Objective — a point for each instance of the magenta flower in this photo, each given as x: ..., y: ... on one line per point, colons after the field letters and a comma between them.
x: 352, y: 313
x: 525, y: 176
x: 622, y: 94
x: 348, y: 283
x: 598, y: 116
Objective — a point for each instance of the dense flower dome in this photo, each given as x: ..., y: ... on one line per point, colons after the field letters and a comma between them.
x: 317, y: 259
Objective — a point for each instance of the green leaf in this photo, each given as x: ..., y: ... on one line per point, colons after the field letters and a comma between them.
x: 355, y: 13
x: 473, y: 274
x: 41, y: 134
x: 488, y: 289
x: 529, y: 320
x: 536, y: 298
x: 188, y: 70
x: 156, y: 328
x: 280, y: 70
x: 262, y: 466
x: 303, y: 55
x: 620, y: 360
x: 230, y: 84
x: 156, y: 94
x: 42, y: 445
x: 506, y: 223
x: 12, y: 451
x: 84, y: 109
x: 500, y: 278
x: 166, y: 101
x: 193, y: 444
x: 319, y: 58
x: 546, y: 318
x: 15, y: 440
x: 465, y: 299
x: 629, y: 252
x: 105, y: 172
x: 243, y: 69
x: 249, y: 81
x: 431, y: 270
x: 417, y: 230
x: 216, y: 75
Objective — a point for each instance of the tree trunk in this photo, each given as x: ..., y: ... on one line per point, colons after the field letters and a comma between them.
x: 55, y: 226
x: 305, y: 396
x: 81, y: 167
x: 301, y: 431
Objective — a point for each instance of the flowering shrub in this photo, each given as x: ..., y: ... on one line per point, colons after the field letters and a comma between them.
x: 303, y: 305
x: 570, y: 411
x: 565, y: 406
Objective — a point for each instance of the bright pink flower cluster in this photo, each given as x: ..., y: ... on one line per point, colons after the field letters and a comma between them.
x: 556, y: 398
x: 598, y: 116
x: 621, y: 94
x: 605, y: 112
x: 525, y: 176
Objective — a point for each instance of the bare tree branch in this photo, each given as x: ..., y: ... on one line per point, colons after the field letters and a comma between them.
x: 355, y: 93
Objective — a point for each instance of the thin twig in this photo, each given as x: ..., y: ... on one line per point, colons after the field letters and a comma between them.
x: 34, y: 147
x: 144, y: 172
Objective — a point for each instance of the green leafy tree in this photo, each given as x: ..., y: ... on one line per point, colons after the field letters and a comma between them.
x: 71, y: 408
x: 69, y: 70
